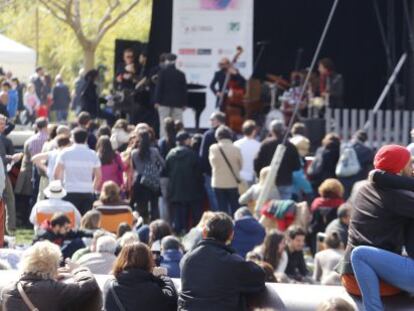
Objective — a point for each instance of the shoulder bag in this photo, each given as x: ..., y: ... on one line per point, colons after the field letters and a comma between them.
x: 115, y: 296
x: 242, y: 185
x: 25, y: 298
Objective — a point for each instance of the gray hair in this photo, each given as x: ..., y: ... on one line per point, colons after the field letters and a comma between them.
x: 106, y: 244
x: 218, y: 116
x: 223, y: 132
x: 242, y: 212
x: 63, y: 129
x: 277, y: 127
x: 41, y: 259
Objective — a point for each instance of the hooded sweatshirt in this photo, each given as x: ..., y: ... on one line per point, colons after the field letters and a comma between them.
x: 248, y: 233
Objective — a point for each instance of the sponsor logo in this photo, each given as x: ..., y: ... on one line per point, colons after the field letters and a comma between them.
x: 225, y: 51
x: 187, y: 51
x: 204, y: 52
x: 197, y: 29
x: 218, y: 4
x: 233, y: 26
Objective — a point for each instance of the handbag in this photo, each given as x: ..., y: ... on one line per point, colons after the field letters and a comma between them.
x: 150, y: 176
x: 25, y: 298
x: 115, y: 296
x: 241, y: 184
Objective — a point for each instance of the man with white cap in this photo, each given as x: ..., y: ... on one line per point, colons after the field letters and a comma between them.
x: 44, y: 209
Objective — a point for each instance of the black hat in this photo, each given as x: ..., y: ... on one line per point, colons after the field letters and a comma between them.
x: 182, y: 136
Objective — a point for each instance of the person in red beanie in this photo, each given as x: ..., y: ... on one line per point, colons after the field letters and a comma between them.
x: 393, y: 159
x: 380, y: 213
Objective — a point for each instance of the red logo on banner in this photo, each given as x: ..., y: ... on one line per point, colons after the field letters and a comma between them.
x: 187, y: 51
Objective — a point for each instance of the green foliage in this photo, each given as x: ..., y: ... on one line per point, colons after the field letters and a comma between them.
x: 24, y: 236
x: 59, y: 50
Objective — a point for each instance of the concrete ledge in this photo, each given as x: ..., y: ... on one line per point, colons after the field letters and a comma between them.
x: 280, y: 297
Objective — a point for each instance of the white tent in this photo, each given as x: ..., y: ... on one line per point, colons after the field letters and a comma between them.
x: 17, y: 58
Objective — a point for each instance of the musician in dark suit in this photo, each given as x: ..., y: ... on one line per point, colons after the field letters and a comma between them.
x: 331, y: 84
x: 217, y: 83
x: 127, y: 71
x: 171, y: 92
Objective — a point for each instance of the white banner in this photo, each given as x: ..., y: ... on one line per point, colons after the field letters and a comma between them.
x: 204, y: 31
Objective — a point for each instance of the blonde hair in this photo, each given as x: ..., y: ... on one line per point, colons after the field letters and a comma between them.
x: 110, y: 193
x: 263, y: 174
x: 128, y: 238
x: 302, y: 144
x: 42, y: 259
x: 207, y: 215
x: 331, y: 188
x: 91, y: 220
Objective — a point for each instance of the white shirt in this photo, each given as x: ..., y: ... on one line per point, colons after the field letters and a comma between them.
x: 283, y: 262
x: 79, y: 162
x: 51, y: 206
x: 249, y: 148
x: 325, y: 263
x: 51, y: 163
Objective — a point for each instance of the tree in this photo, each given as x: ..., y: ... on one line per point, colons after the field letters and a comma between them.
x: 69, y: 12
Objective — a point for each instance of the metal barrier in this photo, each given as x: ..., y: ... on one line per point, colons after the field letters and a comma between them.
x: 385, y: 126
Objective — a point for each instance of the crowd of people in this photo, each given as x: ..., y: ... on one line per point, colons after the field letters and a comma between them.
x: 120, y: 199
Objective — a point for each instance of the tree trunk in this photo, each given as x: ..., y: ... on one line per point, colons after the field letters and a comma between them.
x: 89, y: 58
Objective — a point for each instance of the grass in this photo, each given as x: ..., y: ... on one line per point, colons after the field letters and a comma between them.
x: 24, y: 236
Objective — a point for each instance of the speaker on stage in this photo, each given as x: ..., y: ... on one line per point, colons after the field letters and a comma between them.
x: 316, y: 131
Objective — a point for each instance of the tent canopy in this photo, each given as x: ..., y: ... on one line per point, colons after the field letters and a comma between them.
x: 17, y: 58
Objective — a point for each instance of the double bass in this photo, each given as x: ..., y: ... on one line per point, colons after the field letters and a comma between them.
x: 233, y: 99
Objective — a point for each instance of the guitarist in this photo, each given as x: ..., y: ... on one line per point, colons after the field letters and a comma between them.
x: 331, y: 85
x: 218, y: 81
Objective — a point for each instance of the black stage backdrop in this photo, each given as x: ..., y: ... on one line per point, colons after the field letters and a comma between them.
x: 353, y: 41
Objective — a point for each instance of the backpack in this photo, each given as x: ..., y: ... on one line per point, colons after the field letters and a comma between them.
x: 348, y: 164
x: 150, y: 176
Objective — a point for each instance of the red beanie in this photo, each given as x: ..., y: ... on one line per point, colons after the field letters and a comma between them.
x: 392, y: 158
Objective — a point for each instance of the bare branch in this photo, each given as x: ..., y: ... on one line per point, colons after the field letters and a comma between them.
x: 77, y: 24
x: 107, y: 16
x: 57, y: 5
x: 113, y: 22
x: 55, y: 12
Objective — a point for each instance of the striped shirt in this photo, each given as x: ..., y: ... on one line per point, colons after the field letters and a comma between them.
x: 78, y: 162
x: 36, y: 142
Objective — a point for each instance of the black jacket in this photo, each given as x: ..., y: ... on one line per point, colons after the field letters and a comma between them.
x: 82, y: 293
x: 336, y: 90
x: 324, y: 164
x: 379, y: 217
x: 141, y: 290
x: 213, y: 277
x: 290, y: 162
x: 217, y: 83
x: 89, y: 99
x: 183, y: 169
x: 208, y: 140
x: 61, y: 97
x: 296, y: 268
x: 171, y: 89
x: 403, y: 183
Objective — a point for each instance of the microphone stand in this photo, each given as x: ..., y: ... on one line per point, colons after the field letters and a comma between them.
x: 281, y: 148
x: 259, y: 57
